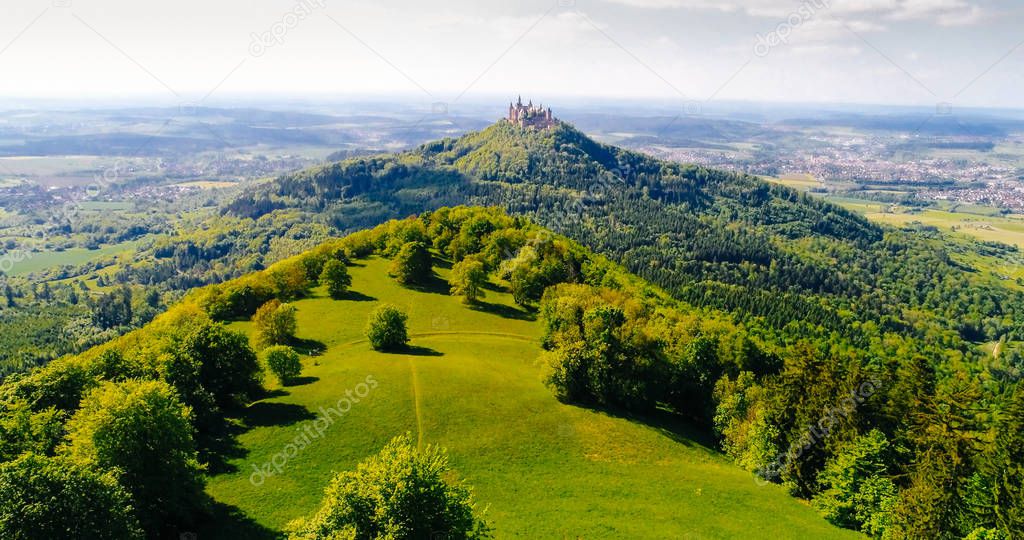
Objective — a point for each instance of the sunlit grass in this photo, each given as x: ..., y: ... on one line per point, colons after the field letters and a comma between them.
x: 542, y: 469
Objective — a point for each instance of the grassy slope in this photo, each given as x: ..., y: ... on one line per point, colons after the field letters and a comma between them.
x: 544, y: 469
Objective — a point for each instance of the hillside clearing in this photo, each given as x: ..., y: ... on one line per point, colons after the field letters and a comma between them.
x: 470, y: 383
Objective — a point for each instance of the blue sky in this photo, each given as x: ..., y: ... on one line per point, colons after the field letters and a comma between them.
x: 911, y: 52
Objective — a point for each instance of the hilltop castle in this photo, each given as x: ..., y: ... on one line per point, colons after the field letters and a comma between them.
x: 530, y: 115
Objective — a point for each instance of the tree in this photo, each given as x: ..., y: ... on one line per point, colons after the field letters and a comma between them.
x: 212, y: 368
x: 522, y: 275
x: 412, y: 264
x: 335, y: 276
x: 283, y: 362
x: 386, y: 328
x: 857, y: 492
x: 113, y: 309
x: 289, y: 280
x: 141, y: 432
x: 9, y: 295
x: 274, y: 323
x: 228, y: 367
x: 1004, y: 467
x: 22, y: 430
x: 43, y: 498
x: 467, y: 279
x: 400, y: 493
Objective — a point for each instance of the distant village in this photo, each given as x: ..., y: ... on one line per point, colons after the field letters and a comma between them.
x: 846, y: 160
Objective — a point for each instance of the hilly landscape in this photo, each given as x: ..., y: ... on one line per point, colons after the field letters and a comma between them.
x: 607, y: 346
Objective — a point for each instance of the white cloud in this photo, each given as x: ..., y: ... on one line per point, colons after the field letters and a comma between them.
x: 943, y: 12
x: 679, y: 4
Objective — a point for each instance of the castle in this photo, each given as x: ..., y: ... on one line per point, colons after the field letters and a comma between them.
x: 529, y: 115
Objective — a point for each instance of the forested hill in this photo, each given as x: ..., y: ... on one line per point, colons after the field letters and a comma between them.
x: 713, y: 238
x: 561, y: 157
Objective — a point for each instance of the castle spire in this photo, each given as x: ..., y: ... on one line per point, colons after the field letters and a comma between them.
x: 530, y: 115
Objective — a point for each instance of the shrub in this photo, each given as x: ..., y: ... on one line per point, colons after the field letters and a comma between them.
x: 44, y: 498
x: 412, y: 264
x: 141, y: 431
x: 386, y: 328
x: 335, y: 276
x: 400, y: 493
x: 274, y: 323
x: 283, y: 362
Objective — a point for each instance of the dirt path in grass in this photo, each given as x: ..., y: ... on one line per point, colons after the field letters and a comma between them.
x: 416, y: 403
x: 414, y: 375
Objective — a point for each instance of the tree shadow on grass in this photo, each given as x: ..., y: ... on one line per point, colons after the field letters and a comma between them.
x: 267, y: 394
x: 434, y: 285
x: 502, y: 310
x: 308, y: 347
x: 301, y: 381
x: 413, y: 350
x: 494, y: 287
x: 356, y: 296
x: 672, y: 425
x: 266, y: 413
x: 216, y: 450
x: 416, y: 350
x: 226, y: 521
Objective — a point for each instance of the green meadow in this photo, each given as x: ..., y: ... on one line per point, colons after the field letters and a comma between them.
x: 1008, y: 230
x: 470, y: 383
x: 43, y: 260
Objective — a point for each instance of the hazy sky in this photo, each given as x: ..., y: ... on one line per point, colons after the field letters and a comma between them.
x: 966, y: 52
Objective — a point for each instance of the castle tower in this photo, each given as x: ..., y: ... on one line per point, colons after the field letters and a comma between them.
x: 530, y: 115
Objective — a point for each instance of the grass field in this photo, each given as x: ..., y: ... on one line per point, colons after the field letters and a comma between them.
x: 104, y: 206
x: 1008, y: 230
x: 981, y: 222
x: 65, y: 170
x: 967, y: 221
x: 206, y: 184
x: 803, y: 182
x: 470, y: 383
x: 73, y: 257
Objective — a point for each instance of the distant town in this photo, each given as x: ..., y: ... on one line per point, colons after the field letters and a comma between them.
x: 967, y: 173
